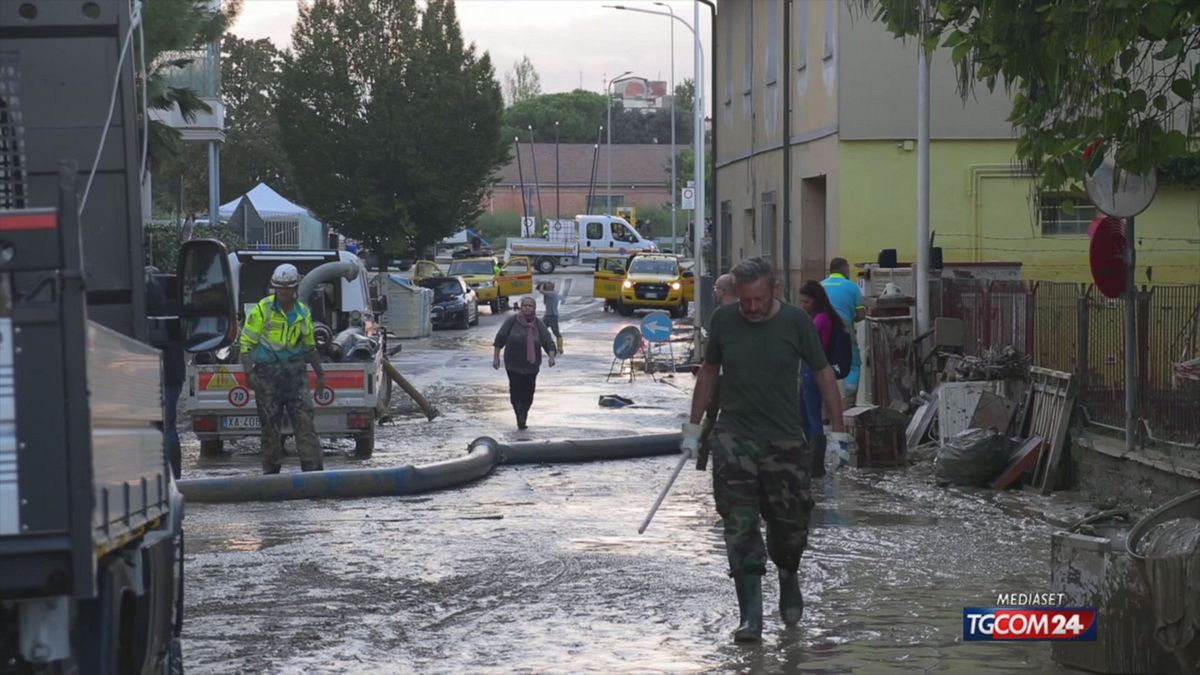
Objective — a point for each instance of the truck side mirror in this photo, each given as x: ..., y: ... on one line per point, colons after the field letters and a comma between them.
x: 379, y: 304
x: 208, y: 311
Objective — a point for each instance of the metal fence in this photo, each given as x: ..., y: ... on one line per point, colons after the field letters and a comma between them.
x: 1072, y: 327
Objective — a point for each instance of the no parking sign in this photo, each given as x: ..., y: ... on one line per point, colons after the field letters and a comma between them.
x: 688, y: 197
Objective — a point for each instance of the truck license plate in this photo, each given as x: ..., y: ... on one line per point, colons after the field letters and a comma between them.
x: 240, y: 422
x: 652, y: 296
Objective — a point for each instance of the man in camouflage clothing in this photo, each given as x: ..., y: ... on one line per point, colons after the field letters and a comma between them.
x: 760, y: 458
x: 276, y: 343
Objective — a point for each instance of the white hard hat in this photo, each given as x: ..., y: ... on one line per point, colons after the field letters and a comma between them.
x: 285, y: 276
x: 891, y: 290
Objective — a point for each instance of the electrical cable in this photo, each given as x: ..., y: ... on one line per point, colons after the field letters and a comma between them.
x: 135, y: 21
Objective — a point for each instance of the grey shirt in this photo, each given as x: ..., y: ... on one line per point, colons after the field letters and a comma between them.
x: 511, y: 338
x: 550, y: 299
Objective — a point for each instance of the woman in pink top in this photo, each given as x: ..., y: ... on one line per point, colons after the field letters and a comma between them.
x: 815, y: 302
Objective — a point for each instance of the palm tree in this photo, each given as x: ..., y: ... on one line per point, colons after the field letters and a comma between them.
x: 178, y: 33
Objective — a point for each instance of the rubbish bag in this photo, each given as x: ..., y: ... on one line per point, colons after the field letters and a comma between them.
x: 974, y: 457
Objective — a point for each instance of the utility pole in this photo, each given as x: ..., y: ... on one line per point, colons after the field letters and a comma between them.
x: 922, y: 271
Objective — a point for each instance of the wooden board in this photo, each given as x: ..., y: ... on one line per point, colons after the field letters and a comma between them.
x: 918, y: 427
x: 1024, y: 459
x: 1052, y: 398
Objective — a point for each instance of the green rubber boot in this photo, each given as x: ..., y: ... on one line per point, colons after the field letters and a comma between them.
x: 749, y: 594
x: 791, y: 601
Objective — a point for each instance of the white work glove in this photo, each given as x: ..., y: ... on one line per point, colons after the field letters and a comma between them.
x: 690, y: 444
x: 837, y: 444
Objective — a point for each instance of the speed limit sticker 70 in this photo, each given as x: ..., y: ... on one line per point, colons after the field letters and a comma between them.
x: 239, y: 396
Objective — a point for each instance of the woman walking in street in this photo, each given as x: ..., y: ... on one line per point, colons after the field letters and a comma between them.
x: 523, y: 337
x: 815, y: 302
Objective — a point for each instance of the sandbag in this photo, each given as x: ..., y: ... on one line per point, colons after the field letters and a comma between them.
x: 973, y: 457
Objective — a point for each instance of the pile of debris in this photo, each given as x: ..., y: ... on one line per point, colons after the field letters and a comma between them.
x: 996, y: 421
x: 1006, y: 363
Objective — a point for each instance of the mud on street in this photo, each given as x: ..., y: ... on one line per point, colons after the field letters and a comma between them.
x: 540, y: 568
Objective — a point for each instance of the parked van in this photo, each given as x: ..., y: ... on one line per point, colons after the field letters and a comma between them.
x: 580, y: 242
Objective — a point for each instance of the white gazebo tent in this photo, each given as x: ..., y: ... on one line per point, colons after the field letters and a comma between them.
x: 286, y: 225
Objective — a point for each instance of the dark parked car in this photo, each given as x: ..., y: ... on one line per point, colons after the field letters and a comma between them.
x: 454, y: 302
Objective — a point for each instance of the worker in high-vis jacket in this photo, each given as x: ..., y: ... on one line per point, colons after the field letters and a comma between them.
x: 276, y: 342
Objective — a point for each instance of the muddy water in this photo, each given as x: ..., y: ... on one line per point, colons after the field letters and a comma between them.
x: 540, y: 569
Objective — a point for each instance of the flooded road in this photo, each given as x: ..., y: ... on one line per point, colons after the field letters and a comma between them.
x: 540, y: 568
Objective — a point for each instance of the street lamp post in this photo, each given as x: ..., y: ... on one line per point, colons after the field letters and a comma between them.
x: 698, y: 142
x: 674, y: 152
x: 557, y: 180
x: 608, y: 95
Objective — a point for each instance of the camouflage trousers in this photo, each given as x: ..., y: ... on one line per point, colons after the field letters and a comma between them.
x: 281, y: 389
x: 769, y: 479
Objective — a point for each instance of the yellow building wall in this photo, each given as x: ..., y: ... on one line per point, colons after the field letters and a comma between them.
x: 982, y: 209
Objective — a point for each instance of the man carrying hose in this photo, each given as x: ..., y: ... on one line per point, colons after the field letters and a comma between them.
x: 276, y: 342
x: 760, y: 459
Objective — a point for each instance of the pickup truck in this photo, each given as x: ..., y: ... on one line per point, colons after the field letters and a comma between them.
x: 515, y: 278
x: 222, y: 406
x: 644, y: 281
x: 580, y: 242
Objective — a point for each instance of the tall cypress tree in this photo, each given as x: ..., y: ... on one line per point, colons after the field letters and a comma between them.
x: 391, y: 123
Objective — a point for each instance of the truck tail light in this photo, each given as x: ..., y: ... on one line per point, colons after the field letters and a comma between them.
x: 358, y: 421
x: 204, y: 423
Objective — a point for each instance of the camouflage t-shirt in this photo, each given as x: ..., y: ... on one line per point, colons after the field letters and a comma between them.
x: 759, y: 362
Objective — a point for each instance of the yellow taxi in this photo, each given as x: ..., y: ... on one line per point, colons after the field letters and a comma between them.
x: 494, y: 282
x: 644, y: 281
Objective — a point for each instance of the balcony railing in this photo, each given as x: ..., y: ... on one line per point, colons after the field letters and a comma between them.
x: 202, y: 74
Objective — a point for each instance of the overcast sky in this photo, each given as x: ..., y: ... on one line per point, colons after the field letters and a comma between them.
x: 571, y: 43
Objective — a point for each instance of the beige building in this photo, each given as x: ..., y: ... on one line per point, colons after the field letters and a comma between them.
x: 838, y: 176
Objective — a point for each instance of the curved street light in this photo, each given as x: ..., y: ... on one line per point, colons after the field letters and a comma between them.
x: 608, y: 95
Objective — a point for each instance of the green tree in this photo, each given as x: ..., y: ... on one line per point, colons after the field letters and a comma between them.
x: 685, y: 169
x: 685, y: 95
x: 390, y: 122
x: 252, y: 154
x: 1084, y: 74
x: 579, y: 115
x: 522, y: 82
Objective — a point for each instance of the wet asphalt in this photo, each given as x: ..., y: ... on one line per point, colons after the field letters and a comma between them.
x: 540, y: 568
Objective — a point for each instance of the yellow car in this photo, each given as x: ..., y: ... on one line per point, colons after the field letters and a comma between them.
x: 655, y: 281
x: 515, y: 278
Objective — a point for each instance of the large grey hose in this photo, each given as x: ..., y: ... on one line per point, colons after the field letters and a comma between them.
x: 329, y: 271
x: 482, y: 455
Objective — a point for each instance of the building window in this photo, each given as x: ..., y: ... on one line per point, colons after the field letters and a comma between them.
x: 801, y: 10
x: 748, y: 224
x: 768, y: 226
x: 772, y: 74
x: 1065, y: 214
x: 748, y: 66
x: 830, y: 36
x: 725, y: 240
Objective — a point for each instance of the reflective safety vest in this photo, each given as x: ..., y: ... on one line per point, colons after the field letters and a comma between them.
x: 272, y: 337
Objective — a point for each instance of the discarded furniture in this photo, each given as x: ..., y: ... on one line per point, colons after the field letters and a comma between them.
x: 922, y: 420
x: 1048, y: 406
x: 890, y: 354
x: 878, y: 435
x: 957, y: 403
x: 1023, y: 461
x: 409, y: 307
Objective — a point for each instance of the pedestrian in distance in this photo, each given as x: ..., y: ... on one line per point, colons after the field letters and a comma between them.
x: 551, y: 298
x: 725, y: 293
x: 523, y: 337
x: 276, y: 342
x: 847, y: 299
x: 815, y: 302
x: 724, y: 290
x: 760, y: 459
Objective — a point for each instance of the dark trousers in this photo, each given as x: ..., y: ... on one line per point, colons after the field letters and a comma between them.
x: 551, y: 322
x: 520, y: 391
x: 170, y: 431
